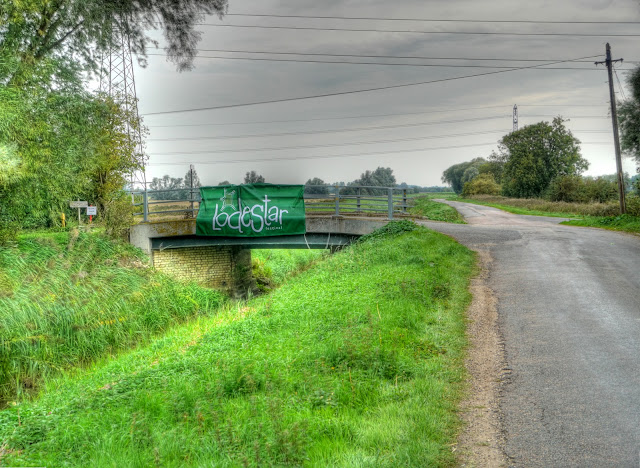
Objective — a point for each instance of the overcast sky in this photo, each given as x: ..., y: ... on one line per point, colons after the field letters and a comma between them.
x: 419, y: 130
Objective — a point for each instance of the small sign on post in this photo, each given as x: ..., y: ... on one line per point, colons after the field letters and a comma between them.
x: 92, y: 211
x: 78, y: 204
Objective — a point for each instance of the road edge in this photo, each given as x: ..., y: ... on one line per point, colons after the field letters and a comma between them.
x: 481, y: 441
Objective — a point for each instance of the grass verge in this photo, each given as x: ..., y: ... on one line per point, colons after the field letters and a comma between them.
x: 426, y: 208
x: 69, y: 299
x: 357, y: 362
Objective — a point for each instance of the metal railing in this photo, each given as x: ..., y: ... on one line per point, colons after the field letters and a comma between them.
x: 334, y: 200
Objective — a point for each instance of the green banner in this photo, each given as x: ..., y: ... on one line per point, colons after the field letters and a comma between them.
x: 254, y: 210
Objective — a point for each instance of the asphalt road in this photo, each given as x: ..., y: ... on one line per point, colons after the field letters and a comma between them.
x: 569, y: 313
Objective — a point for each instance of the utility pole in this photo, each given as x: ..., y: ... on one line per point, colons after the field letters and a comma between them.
x: 614, y: 118
x: 515, y: 117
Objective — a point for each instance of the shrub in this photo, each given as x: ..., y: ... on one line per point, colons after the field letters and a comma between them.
x: 576, y: 189
x: 483, y: 184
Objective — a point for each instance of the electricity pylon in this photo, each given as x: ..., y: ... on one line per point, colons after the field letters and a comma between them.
x: 117, y: 80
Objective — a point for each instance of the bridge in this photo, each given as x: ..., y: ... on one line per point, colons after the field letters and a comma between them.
x: 334, y: 218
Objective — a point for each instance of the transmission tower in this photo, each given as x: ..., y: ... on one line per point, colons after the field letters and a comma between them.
x: 117, y: 81
x: 515, y: 117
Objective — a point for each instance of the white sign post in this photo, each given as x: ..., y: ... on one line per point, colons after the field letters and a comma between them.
x: 78, y: 204
x: 92, y: 210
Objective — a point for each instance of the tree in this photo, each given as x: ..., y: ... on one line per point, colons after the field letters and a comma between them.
x: 316, y: 186
x: 629, y: 119
x: 196, y: 180
x: 381, y: 177
x: 534, y: 155
x: 53, y: 37
x: 253, y: 178
x: 224, y: 182
x: 168, y: 188
x: 458, y: 174
x: 59, y: 146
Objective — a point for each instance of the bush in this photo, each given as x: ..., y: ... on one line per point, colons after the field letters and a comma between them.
x: 576, y: 189
x: 633, y: 205
x: 483, y: 184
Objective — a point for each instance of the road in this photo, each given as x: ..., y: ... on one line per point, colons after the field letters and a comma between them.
x: 569, y: 314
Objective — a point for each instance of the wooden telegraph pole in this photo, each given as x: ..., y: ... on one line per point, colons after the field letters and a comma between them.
x: 614, y: 119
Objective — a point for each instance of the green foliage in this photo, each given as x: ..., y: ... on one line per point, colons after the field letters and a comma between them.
x: 458, y: 174
x: 577, y: 189
x: 423, y: 206
x: 271, y: 267
x: 357, y: 362
x: 316, y: 186
x: 173, y: 187
x: 69, y: 299
x: 483, y: 184
x: 536, y: 154
x: 381, y: 177
x: 44, y: 41
x: 392, y: 228
x: 59, y: 146
x: 253, y: 178
x: 629, y: 118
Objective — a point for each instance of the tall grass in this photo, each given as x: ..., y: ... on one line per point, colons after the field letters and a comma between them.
x: 356, y: 362
x: 271, y: 267
x: 424, y: 207
x: 69, y: 299
x: 546, y: 207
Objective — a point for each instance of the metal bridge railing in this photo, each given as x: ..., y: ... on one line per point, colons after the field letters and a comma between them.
x: 335, y: 200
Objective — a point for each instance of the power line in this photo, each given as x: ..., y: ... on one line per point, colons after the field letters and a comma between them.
x: 343, y: 93
x: 238, y: 51
x: 330, y: 145
x: 358, y: 143
x: 342, y: 130
x: 413, y: 31
x: 317, y: 132
x: 284, y: 158
x: 435, y: 111
x: 343, y: 62
x: 428, y: 20
x: 370, y: 153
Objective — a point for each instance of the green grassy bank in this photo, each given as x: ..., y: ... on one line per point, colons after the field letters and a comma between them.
x: 69, y: 299
x: 356, y: 362
x: 424, y: 207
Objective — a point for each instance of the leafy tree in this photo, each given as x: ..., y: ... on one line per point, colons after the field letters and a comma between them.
x: 381, y: 177
x: 224, y: 182
x: 52, y: 37
x: 253, y: 178
x: 316, y: 186
x: 629, y: 118
x: 458, y: 174
x: 59, y: 146
x: 167, y: 188
x: 534, y: 155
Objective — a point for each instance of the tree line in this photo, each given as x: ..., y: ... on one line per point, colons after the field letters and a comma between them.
x: 542, y: 160
x: 58, y: 141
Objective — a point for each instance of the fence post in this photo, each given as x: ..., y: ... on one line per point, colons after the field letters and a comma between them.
x: 358, y: 199
x: 337, y: 199
x: 145, y: 205
x: 390, y: 203
x: 191, y: 190
x: 404, y: 200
